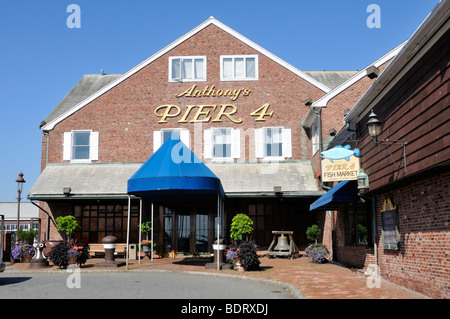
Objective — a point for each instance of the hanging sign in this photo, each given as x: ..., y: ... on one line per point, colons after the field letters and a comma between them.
x: 389, y: 231
x: 340, y: 164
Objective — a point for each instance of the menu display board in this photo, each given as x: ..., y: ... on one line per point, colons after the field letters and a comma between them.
x: 389, y: 222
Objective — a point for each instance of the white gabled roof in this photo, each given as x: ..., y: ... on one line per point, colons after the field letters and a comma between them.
x: 211, y: 20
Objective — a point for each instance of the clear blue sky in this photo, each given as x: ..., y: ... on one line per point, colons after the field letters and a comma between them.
x: 42, y: 59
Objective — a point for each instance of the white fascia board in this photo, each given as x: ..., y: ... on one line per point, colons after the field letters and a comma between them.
x: 49, y: 126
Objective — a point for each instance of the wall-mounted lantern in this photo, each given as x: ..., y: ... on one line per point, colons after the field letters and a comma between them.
x: 363, y: 179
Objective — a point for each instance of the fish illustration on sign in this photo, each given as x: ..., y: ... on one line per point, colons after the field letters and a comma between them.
x: 339, y: 152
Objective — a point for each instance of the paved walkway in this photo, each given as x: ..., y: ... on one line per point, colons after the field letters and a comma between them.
x: 314, y: 281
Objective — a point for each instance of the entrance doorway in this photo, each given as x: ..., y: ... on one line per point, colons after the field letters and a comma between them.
x: 189, y: 229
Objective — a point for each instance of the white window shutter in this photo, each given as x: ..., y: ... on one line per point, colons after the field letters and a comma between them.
x: 185, y: 137
x: 207, y: 143
x: 259, y: 143
x: 287, y: 142
x: 235, y: 143
x: 157, y: 140
x: 67, y: 146
x: 93, y: 146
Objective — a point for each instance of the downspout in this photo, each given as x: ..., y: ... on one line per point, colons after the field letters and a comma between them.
x: 374, y: 229
x: 318, y: 113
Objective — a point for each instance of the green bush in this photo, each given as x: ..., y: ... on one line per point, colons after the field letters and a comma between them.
x: 313, y: 233
x: 27, y: 235
x: 67, y: 224
x: 240, y: 225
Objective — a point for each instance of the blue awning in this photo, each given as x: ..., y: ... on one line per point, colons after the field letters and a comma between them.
x: 346, y: 191
x: 174, y: 173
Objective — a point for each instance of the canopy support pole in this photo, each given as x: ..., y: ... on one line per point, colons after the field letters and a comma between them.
x: 151, y: 231
x: 140, y: 228
x: 218, y: 229
x: 128, y: 228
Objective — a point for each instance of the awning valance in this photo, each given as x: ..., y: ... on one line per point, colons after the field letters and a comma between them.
x: 174, y: 172
x: 346, y: 191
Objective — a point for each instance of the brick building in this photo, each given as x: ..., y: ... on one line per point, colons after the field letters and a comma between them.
x: 404, y: 211
x: 238, y: 107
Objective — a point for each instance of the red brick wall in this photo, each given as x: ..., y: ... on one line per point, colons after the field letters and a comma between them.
x: 422, y: 262
x: 125, y: 119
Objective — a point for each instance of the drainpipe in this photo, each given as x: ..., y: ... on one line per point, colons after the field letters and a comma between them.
x: 318, y: 112
x: 319, y: 128
x: 374, y: 229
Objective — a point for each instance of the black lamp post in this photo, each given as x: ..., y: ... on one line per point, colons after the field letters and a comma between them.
x: 374, y: 126
x: 20, y: 181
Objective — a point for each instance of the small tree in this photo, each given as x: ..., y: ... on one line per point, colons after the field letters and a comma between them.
x: 241, y: 225
x: 27, y: 235
x: 146, y: 227
x: 313, y: 233
x: 67, y: 225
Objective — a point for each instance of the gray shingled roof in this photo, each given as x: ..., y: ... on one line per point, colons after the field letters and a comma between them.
x: 110, y: 180
x: 332, y: 79
x: 88, y: 85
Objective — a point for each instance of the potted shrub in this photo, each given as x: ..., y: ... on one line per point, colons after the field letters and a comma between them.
x: 317, y: 253
x: 27, y: 236
x: 247, y: 256
x: 59, y: 255
x: 22, y: 252
x: 241, y: 225
x: 67, y: 225
x: 146, y: 245
x: 313, y: 233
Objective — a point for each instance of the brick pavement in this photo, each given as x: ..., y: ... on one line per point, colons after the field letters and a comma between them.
x: 314, y: 281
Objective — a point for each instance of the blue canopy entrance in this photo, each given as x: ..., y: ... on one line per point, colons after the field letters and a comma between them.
x: 345, y: 191
x: 175, y: 174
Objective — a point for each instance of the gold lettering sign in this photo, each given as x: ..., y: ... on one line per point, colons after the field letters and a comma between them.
x: 211, y: 91
x: 203, y: 113
x: 340, y: 170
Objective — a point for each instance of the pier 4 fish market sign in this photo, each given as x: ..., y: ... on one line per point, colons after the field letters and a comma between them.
x: 340, y: 164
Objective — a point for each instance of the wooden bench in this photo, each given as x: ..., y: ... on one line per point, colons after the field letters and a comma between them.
x: 98, y: 250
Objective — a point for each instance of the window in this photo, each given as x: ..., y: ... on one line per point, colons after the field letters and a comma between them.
x: 81, y: 146
x: 358, y: 226
x: 222, y: 144
x: 239, y: 68
x: 101, y: 219
x: 185, y: 69
x: 159, y: 137
x: 273, y: 143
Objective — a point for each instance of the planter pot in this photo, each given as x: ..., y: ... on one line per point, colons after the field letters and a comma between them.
x: 72, y: 260
x: 145, y: 248
x: 26, y: 259
x: 238, y: 267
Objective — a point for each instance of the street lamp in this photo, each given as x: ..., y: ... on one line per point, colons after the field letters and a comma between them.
x: 374, y: 126
x: 20, y: 181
